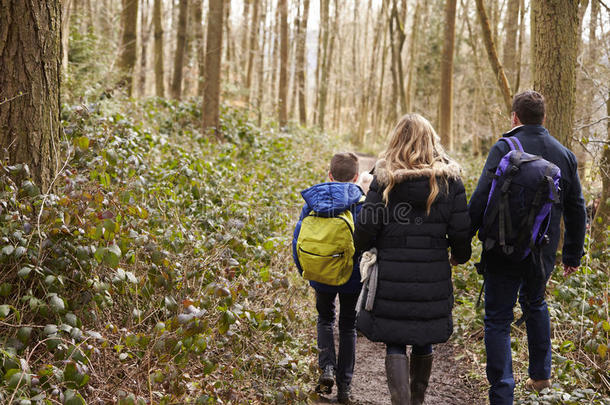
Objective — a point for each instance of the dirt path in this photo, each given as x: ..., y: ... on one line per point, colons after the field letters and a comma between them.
x: 450, y: 383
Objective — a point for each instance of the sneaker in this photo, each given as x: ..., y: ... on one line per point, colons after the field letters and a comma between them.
x: 326, y: 380
x: 344, y: 395
x: 537, y: 385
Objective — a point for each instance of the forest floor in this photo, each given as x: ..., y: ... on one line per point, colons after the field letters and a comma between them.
x: 451, y: 382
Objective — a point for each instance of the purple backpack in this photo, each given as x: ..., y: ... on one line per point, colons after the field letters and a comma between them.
x: 518, y: 210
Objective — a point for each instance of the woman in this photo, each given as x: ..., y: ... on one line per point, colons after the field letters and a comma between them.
x: 414, y: 211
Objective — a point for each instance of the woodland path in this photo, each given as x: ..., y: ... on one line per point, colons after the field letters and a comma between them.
x: 450, y: 383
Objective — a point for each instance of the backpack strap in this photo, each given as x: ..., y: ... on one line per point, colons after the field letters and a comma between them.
x: 511, y: 143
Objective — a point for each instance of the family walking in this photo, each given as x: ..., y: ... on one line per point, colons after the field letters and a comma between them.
x: 388, y: 253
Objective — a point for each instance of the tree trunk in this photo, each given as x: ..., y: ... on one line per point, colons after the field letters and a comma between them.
x: 556, y: 36
x: 283, y: 90
x: 275, y: 55
x: 517, y: 82
x: 158, y: 23
x: 260, y: 97
x: 446, y: 96
x: 244, y: 37
x: 65, y: 38
x: 213, y: 56
x: 30, y: 62
x: 368, y: 93
x: 510, y: 40
x: 379, y: 101
x: 145, y: 29
x: 199, y: 44
x: 302, y: 63
x: 127, y: 60
x: 253, y: 47
x: 412, y: 56
x: 602, y: 217
x: 493, y: 56
x: 326, y: 64
x: 180, y: 50
x: 229, y: 38
x: 399, y: 45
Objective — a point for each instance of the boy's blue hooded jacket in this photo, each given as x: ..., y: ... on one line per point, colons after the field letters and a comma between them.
x: 331, y: 198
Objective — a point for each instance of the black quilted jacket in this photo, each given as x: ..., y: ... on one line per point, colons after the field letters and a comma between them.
x: 414, y: 297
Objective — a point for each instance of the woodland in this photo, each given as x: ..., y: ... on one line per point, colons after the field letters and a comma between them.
x: 152, y: 154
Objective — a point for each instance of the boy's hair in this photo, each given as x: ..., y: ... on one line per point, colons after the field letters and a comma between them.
x: 529, y: 107
x: 344, y: 166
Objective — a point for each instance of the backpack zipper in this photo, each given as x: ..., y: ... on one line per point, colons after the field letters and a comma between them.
x: 315, y: 254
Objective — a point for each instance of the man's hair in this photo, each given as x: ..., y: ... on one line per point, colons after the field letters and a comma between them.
x: 344, y: 166
x: 529, y: 107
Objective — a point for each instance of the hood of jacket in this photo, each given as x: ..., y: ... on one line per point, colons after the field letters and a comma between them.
x: 440, y: 169
x: 332, y: 198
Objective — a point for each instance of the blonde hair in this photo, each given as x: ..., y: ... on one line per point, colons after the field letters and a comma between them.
x: 414, y: 145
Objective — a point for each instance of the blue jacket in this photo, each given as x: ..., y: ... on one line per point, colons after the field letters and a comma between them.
x: 331, y: 198
x: 537, y: 140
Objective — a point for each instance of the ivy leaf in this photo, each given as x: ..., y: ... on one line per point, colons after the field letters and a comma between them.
x: 8, y: 250
x: 4, y: 311
x: 72, y: 397
x: 57, y: 304
x: 112, y: 256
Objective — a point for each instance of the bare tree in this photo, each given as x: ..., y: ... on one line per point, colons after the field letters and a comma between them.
x: 127, y: 60
x: 213, y: 55
x: 158, y: 23
x: 180, y: 50
x: 493, y: 56
x: 283, y: 89
x: 446, y: 96
x: 555, y: 42
x: 30, y: 61
x: 301, y: 62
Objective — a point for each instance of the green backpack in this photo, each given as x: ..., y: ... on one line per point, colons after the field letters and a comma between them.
x: 325, y: 248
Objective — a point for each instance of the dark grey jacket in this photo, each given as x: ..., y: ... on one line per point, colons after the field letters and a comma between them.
x: 414, y: 296
x: 537, y: 140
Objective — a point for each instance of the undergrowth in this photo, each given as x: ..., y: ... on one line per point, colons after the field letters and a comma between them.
x: 157, y: 270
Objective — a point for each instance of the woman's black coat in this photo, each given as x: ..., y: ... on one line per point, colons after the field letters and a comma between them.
x: 414, y: 297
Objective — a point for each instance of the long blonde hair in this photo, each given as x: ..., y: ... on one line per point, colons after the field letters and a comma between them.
x: 414, y: 145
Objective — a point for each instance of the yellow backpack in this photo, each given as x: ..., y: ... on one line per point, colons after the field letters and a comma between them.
x: 325, y: 248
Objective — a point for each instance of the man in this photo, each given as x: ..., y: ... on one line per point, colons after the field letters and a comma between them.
x: 504, y: 280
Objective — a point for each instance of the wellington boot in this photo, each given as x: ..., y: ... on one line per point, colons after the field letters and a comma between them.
x: 421, y: 366
x: 397, y: 374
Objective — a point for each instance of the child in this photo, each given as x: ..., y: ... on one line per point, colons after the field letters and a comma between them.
x: 341, y: 194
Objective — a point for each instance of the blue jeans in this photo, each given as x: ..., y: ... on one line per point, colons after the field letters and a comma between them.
x: 501, y: 292
x: 402, y: 349
x: 344, y: 364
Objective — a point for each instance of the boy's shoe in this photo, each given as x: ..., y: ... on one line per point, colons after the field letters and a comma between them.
x: 344, y: 395
x: 326, y: 380
x: 537, y: 385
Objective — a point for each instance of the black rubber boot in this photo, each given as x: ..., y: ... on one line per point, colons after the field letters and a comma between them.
x: 397, y: 374
x: 421, y: 366
x: 326, y: 380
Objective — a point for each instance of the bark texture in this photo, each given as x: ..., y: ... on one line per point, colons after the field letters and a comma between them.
x: 301, y: 63
x: 511, y: 26
x: 127, y: 60
x: 213, y: 54
x: 30, y: 60
x: 158, y: 23
x: 492, y: 54
x: 180, y: 50
x: 446, y: 97
x: 555, y: 40
x: 283, y: 90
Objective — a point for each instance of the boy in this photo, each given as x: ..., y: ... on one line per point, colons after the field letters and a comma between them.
x: 329, y: 199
